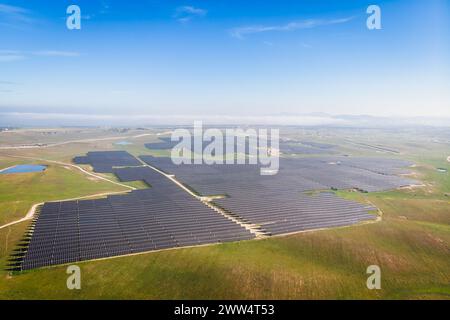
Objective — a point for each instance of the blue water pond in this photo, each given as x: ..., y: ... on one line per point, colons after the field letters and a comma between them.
x: 24, y: 168
x: 123, y: 143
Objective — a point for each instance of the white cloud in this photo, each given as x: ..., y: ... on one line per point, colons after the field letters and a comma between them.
x: 191, y: 10
x: 187, y: 13
x: 7, y: 9
x: 241, y: 32
x: 14, y: 55
x: 184, y: 20
x: 4, y: 52
x: 55, y: 53
x: 10, y: 56
x: 14, y: 13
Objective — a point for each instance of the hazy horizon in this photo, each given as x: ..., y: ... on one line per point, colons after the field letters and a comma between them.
x: 17, y: 119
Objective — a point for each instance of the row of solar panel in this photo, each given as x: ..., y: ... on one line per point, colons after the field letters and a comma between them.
x: 275, y: 203
x: 166, y: 216
x: 68, y: 252
x: 163, y: 216
x: 104, y: 161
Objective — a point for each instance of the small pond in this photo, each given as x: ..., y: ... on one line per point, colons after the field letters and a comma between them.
x: 123, y: 143
x: 24, y: 168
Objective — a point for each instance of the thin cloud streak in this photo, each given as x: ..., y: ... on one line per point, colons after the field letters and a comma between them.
x: 241, y: 32
x: 191, y: 10
x: 185, y: 14
x: 7, y: 52
x: 55, y: 53
x: 14, y: 55
x: 11, y: 57
x: 12, y: 10
x: 14, y: 13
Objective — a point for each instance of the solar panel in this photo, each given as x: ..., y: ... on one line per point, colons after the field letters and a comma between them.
x: 104, y: 161
x: 165, y: 216
x: 279, y: 203
x: 161, y: 217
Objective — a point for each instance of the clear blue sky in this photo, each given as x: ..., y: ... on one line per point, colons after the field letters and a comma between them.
x: 225, y: 57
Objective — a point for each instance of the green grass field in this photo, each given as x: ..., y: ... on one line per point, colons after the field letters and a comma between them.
x: 411, y: 245
x: 18, y: 192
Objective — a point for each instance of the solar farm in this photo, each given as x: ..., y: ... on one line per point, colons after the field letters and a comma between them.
x: 140, y: 227
x: 281, y: 203
x: 228, y: 203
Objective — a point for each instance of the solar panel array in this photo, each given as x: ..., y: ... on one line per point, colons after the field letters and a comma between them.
x: 279, y: 203
x: 287, y: 213
x: 104, y: 161
x: 294, y: 148
x: 286, y: 146
x: 246, y: 144
x: 164, y: 143
x: 320, y: 145
x: 366, y: 174
x: 378, y: 165
x: 299, y: 174
x: 163, y: 216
